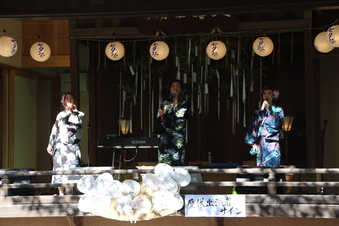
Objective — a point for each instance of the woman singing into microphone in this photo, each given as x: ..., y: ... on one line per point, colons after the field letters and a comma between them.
x: 266, y: 130
x: 170, y: 125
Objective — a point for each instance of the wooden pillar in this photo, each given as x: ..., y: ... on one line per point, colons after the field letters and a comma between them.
x: 94, y: 91
x: 74, y: 59
x: 311, y: 99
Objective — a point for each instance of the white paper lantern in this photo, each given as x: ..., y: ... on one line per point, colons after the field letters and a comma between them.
x: 8, y: 46
x: 216, y: 50
x: 115, y: 51
x: 159, y: 50
x: 322, y: 44
x: 333, y: 35
x: 40, y: 51
x: 263, y: 46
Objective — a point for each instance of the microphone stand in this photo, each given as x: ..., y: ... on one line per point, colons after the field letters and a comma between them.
x: 88, y: 141
x: 323, y: 131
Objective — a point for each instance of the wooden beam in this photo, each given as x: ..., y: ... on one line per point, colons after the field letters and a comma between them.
x: 53, y: 61
x: 298, y: 206
x: 248, y: 27
x: 50, y: 9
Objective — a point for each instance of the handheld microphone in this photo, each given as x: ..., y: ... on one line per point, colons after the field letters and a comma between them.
x: 262, y: 106
x: 173, y: 95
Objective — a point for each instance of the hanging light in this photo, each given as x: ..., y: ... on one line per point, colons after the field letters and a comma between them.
x: 40, y: 51
x: 287, y: 123
x: 322, y: 44
x: 115, y: 50
x: 216, y: 50
x: 263, y: 46
x: 8, y: 46
x: 159, y: 50
x: 333, y: 35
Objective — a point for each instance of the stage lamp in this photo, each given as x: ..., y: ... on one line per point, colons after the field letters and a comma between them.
x: 287, y: 123
x: 8, y: 46
x: 322, y: 44
x: 40, y: 51
x: 115, y: 51
x: 263, y: 46
x: 333, y: 35
x: 124, y: 126
x: 216, y: 50
x: 159, y: 50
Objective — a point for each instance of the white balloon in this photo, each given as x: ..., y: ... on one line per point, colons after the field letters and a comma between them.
x: 182, y: 177
x: 130, y: 187
x: 151, y: 180
x: 86, y: 183
x: 163, y: 170
x: 103, y: 181
x: 114, y: 189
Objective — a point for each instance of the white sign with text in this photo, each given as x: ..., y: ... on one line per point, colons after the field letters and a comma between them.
x: 215, y: 206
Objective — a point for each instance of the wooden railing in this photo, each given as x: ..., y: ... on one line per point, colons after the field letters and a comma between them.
x: 257, y: 205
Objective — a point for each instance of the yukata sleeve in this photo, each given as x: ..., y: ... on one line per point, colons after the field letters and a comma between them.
x: 281, y: 116
x: 158, y: 124
x: 53, y: 138
x: 188, y: 110
x: 79, y: 133
x: 252, y: 133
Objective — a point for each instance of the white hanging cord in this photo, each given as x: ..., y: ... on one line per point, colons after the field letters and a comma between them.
x: 218, y: 78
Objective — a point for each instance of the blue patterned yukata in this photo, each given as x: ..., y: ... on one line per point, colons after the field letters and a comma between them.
x: 64, y: 142
x: 172, y: 132
x: 265, y: 131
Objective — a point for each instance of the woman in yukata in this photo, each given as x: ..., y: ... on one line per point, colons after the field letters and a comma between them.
x: 170, y: 125
x: 64, y: 141
x: 265, y: 130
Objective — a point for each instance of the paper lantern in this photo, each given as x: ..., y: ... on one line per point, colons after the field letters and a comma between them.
x: 322, y: 44
x: 8, y: 46
x: 115, y: 51
x: 216, y: 50
x: 333, y: 35
x: 40, y: 51
x: 263, y: 46
x: 159, y: 50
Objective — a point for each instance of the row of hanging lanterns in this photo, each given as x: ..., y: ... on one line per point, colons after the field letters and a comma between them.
x: 326, y: 41
x: 159, y: 50
x: 39, y: 51
x: 216, y: 50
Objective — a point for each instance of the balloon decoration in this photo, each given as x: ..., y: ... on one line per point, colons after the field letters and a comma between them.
x: 8, y: 46
x: 115, y: 51
x: 216, y: 50
x: 159, y: 50
x: 322, y: 44
x: 158, y: 194
x: 263, y: 46
x: 333, y: 35
x: 40, y: 51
